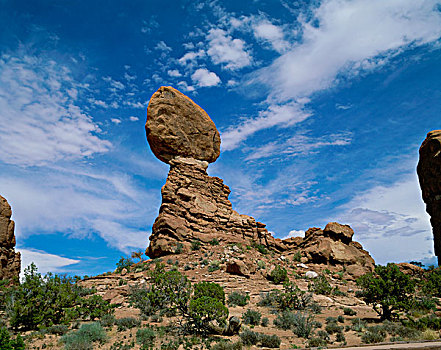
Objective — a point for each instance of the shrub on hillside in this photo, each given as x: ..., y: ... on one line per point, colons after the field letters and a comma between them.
x: 209, y: 289
x: 373, y: 335
x: 127, y: 323
x: 8, y: 343
x: 349, y: 312
x: 303, y: 325
x: 269, y: 341
x: 387, y: 289
x: 249, y: 337
x: 124, y: 263
x: 251, y: 317
x: 145, y: 337
x: 84, y: 337
x: 278, y: 275
x: 239, y: 299
x: 320, y: 285
x: 227, y: 345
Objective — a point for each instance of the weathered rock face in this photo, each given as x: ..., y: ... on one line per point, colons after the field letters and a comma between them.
x: 429, y: 174
x: 176, y: 126
x: 195, y: 206
x: 334, y: 246
x: 9, y: 259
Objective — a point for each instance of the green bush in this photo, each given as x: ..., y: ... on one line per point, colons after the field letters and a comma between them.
x: 264, y: 322
x: 127, y: 323
x: 373, y: 335
x: 279, y: 275
x: 239, y: 299
x: 59, y: 329
x: 227, y: 345
x: 297, y: 257
x: 145, y: 337
x: 333, y: 327
x: 83, y: 338
x: 195, y: 245
x: 214, y: 241
x: 214, y: 266
x: 340, y: 319
x: 317, y: 342
x: 7, y: 343
x: 107, y: 320
x: 320, y: 285
x: 389, y: 288
x: 251, y: 317
x: 203, y: 310
x: 269, y: 341
x: 124, y: 263
x: 286, y: 320
x: 42, y: 301
x: 209, y: 289
x: 179, y: 248
x: 432, y: 284
x: 358, y: 324
x: 349, y: 312
x: 249, y: 337
x: 303, y: 325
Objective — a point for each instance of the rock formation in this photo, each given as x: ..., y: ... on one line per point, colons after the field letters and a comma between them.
x: 429, y: 174
x: 195, y: 206
x: 9, y: 260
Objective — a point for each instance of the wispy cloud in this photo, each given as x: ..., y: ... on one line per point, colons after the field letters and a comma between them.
x: 268, y: 32
x: 45, y: 262
x: 41, y: 121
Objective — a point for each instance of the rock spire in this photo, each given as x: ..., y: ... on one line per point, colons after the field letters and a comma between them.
x: 10, y: 261
x: 429, y: 174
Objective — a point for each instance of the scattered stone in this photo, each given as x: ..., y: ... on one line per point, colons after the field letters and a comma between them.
x: 429, y: 174
x: 10, y: 261
x: 302, y: 265
x: 176, y: 126
x: 311, y: 274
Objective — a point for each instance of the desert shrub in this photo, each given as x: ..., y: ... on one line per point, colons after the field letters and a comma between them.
x: 358, y: 324
x: 340, y: 338
x: 7, y: 343
x: 209, y: 289
x: 297, y: 256
x: 278, y: 275
x: 195, y: 245
x: 261, y: 265
x: 269, y: 341
x: 83, y: 338
x: 237, y: 298
x: 303, y: 325
x: 389, y: 288
x: 349, y: 312
x: 285, y: 320
x: 340, y: 319
x: 127, y: 323
x: 317, y: 342
x: 264, y: 322
x: 214, y: 241
x: 249, y: 337
x: 203, y: 310
x: 42, y: 301
x: 124, y: 263
x: 260, y: 248
x: 179, y: 248
x: 431, y: 322
x: 107, y: 320
x: 58, y: 329
x: 320, y: 285
x: 214, y: 266
x: 432, y: 284
x: 332, y: 327
x: 227, y: 345
x: 430, y: 334
x: 291, y: 298
x: 251, y: 317
x: 423, y: 304
x: 373, y: 335
x: 145, y: 337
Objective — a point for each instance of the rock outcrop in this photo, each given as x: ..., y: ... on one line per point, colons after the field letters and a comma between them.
x: 194, y: 206
x: 176, y: 126
x: 334, y: 246
x: 429, y: 174
x: 9, y: 260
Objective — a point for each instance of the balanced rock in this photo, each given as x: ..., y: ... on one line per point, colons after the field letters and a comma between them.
x: 10, y: 261
x: 429, y: 174
x: 176, y: 126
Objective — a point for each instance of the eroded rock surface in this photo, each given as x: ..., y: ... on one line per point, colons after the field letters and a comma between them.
x: 429, y: 174
x: 176, y: 126
x: 10, y: 261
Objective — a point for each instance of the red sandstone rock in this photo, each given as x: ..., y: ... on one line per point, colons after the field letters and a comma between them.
x: 10, y: 261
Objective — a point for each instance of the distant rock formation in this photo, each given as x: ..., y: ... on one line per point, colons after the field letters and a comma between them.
x: 195, y: 206
x: 10, y: 261
x: 429, y: 174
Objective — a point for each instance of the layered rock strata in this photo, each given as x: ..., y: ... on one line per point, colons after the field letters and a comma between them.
x: 429, y: 174
x: 10, y: 261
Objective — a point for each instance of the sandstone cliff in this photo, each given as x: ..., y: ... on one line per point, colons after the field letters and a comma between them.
x: 9, y: 260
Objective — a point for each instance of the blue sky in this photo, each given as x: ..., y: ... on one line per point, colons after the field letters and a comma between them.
x: 321, y: 105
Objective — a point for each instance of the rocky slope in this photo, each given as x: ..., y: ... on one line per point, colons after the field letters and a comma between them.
x: 429, y: 174
x: 10, y: 261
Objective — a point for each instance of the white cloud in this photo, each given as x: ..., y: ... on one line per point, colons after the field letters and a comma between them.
x: 204, y: 78
x: 190, y: 58
x: 115, y: 120
x: 45, y: 262
x: 295, y: 233
x: 115, y: 85
x: 134, y: 119
x: 223, y: 49
x: 351, y: 36
x: 268, y: 32
x: 299, y: 144
x: 99, y: 103
x: 40, y: 120
x: 184, y: 86
x: 282, y: 115
x: 390, y: 221
x: 174, y: 73
x: 162, y: 46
